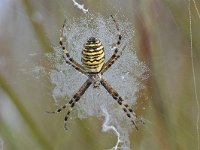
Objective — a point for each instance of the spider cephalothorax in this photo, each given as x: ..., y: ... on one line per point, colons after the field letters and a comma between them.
x: 93, y: 67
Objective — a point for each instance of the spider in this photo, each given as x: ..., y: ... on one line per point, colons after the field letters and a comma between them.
x: 93, y: 66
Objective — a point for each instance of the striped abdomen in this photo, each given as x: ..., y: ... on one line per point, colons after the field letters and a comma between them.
x: 93, y: 55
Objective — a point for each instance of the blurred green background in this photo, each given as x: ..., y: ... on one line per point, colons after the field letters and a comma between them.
x: 29, y: 29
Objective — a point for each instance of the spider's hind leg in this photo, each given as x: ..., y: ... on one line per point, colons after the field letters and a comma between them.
x: 116, y: 53
x: 68, y: 59
x: 118, y: 32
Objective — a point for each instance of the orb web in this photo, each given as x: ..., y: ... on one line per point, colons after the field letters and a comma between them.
x: 123, y: 74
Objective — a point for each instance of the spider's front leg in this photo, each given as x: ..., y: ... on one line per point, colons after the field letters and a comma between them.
x: 68, y: 59
x: 116, y: 53
x: 126, y: 108
x: 73, y: 101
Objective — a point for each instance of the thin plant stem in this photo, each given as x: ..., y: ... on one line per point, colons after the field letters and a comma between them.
x: 24, y: 114
x: 38, y: 28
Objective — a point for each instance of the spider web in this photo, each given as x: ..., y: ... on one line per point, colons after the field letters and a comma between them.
x: 24, y: 63
x: 123, y: 75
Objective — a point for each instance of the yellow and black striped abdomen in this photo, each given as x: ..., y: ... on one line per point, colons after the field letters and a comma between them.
x: 93, y: 55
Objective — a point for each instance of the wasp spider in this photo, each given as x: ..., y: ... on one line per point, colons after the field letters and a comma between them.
x: 94, y: 67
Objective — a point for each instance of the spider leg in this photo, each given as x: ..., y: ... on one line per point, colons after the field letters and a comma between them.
x: 68, y: 59
x: 77, y: 67
x: 126, y: 108
x: 73, y: 101
x: 116, y: 53
x: 118, y: 32
x: 111, y: 61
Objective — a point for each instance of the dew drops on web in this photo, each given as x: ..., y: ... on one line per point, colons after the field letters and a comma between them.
x: 123, y: 74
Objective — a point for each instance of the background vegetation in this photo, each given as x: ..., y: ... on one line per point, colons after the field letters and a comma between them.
x: 29, y: 28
